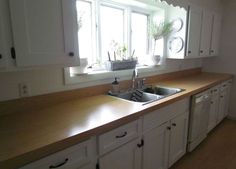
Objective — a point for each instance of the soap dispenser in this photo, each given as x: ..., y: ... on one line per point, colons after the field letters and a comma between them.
x: 115, y: 86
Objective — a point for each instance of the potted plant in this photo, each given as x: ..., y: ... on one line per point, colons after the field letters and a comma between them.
x: 120, y: 59
x: 159, y: 31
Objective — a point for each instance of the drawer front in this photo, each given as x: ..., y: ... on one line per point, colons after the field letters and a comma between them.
x: 160, y: 116
x: 70, y: 158
x: 224, y: 86
x: 215, y: 90
x: 117, y: 137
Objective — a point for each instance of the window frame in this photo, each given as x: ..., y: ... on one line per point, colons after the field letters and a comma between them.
x: 104, y: 76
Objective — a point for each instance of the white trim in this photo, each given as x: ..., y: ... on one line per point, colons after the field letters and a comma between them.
x: 103, y: 77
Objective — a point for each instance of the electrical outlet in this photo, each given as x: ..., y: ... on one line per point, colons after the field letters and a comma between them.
x: 24, y: 90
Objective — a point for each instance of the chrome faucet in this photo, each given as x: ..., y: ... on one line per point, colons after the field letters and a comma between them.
x: 134, y: 76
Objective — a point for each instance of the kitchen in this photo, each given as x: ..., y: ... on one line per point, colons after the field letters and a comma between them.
x: 57, y: 117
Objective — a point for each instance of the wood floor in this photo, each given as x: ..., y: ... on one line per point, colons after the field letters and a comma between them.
x: 218, y: 151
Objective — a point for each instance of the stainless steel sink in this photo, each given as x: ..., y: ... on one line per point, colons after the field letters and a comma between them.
x: 163, y: 91
x: 143, y: 98
x: 149, y: 94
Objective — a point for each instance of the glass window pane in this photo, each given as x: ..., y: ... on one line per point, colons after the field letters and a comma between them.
x: 112, y: 29
x: 84, y: 16
x: 139, y: 41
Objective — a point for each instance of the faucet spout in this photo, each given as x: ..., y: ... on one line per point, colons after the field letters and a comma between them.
x: 134, y: 76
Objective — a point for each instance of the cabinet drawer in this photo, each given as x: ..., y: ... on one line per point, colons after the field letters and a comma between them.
x: 164, y: 114
x: 70, y: 158
x: 115, y: 138
x: 224, y: 86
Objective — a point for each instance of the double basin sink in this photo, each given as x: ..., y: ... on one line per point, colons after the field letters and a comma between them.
x: 149, y: 94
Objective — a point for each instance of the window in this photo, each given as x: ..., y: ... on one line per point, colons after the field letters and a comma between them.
x: 85, y: 30
x: 112, y: 30
x: 139, y: 35
x: 116, y: 30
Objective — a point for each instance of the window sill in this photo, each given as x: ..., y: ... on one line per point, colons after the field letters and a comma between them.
x: 102, y: 77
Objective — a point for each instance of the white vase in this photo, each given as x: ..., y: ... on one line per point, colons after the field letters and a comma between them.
x: 156, y: 59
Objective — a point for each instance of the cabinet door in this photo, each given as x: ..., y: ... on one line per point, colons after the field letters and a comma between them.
x: 44, y: 32
x: 215, y: 37
x: 214, y: 108
x: 229, y: 85
x: 156, y: 147
x: 178, y: 138
x: 2, y: 47
x: 205, y: 44
x: 222, y: 105
x: 2, y: 58
x: 194, y: 31
x: 126, y: 157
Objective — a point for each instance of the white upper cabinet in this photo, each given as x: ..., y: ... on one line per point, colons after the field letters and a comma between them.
x: 2, y: 54
x: 206, y: 31
x: 45, y: 32
x: 215, y: 37
x: 5, y: 36
x: 194, y: 31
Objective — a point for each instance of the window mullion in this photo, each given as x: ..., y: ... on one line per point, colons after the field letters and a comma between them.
x: 98, y: 28
x: 128, y: 31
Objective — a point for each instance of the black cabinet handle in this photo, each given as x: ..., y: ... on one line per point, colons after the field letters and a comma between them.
x: 212, y: 102
x: 174, y: 124
x: 141, y: 144
x: 212, y: 51
x: 201, y: 51
x: 189, y: 51
x: 71, y: 54
x: 0, y: 56
x: 59, y: 165
x: 168, y: 128
x: 123, y: 135
x: 221, y: 96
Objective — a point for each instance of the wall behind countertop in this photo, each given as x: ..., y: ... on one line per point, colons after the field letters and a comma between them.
x: 48, y: 80
x: 226, y: 62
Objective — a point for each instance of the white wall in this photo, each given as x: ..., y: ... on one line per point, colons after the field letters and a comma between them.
x: 42, y: 81
x: 226, y: 63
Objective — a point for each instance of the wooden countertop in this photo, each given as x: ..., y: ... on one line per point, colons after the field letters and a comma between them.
x: 31, y: 135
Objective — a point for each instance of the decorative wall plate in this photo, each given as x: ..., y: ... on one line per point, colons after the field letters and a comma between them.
x: 178, y: 24
x: 176, y: 44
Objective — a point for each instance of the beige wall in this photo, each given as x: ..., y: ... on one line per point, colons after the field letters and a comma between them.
x: 226, y: 63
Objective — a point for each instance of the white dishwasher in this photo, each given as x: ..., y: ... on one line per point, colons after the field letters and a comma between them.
x: 199, y: 114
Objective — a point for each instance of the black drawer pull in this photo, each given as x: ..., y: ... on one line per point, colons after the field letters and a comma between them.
x: 121, y: 136
x: 0, y: 56
x: 141, y: 144
x: 174, y: 124
x: 71, y: 54
x: 168, y: 128
x: 59, y: 165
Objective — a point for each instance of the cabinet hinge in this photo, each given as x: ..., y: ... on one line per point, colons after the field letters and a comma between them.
x: 13, y: 53
x: 97, y: 166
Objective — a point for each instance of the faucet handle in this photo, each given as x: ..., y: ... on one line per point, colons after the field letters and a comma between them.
x: 143, y: 82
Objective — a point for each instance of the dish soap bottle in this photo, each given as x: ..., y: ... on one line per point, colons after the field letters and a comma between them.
x: 115, y: 86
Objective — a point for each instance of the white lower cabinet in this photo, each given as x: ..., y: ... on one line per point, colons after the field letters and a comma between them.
x: 178, y: 137
x: 219, y: 108
x: 127, y: 156
x: 156, y: 148
x: 224, y: 100
x: 80, y: 156
x: 166, y: 143
x: 214, y: 108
